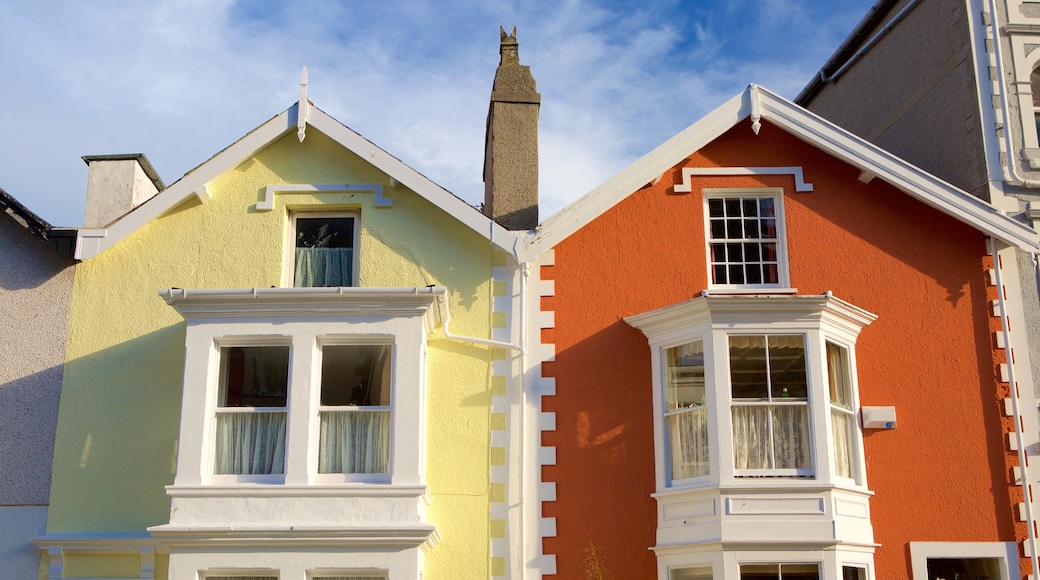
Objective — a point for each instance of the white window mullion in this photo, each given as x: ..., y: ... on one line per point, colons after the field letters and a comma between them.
x: 298, y: 462
x: 716, y: 373
x: 819, y: 409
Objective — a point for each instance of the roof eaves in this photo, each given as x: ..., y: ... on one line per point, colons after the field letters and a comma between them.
x: 804, y: 125
x: 59, y: 239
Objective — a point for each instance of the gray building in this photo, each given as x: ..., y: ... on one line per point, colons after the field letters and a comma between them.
x: 35, y: 290
x: 953, y: 86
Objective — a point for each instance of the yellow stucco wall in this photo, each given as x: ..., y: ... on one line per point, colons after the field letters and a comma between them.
x: 118, y: 421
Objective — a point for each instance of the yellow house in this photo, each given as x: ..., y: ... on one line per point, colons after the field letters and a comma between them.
x: 283, y: 365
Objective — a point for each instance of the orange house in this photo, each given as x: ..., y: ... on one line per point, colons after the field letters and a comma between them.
x: 778, y: 354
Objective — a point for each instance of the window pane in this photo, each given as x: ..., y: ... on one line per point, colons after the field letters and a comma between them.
x: 684, y: 381
x: 791, y: 436
x: 838, y: 376
x: 841, y: 426
x: 780, y: 572
x: 747, y: 367
x: 760, y: 572
x: 324, y: 252
x: 787, y: 367
x: 253, y: 376
x: 853, y: 573
x: 715, y: 208
x: 752, y: 448
x: 356, y: 375
x: 732, y: 206
x: 354, y: 442
x: 696, y: 573
x: 250, y: 443
x: 965, y: 568
x: 688, y: 439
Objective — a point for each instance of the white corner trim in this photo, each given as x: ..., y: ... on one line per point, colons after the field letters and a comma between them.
x: 688, y: 172
x: 267, y: 204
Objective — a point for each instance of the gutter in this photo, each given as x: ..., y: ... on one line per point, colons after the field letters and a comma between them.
x: 841, y: 58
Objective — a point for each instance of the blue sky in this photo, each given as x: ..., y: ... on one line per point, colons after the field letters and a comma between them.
x: 179, y: 80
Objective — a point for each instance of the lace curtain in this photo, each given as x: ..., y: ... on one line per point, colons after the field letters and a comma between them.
x: 689, y: 442
x: 250, y: 443
x: 323, y: 267
x: 354, y: 442
x: 771, y: 437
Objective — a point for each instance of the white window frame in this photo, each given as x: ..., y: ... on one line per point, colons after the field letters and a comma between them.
x: 783, y: 269
x: 334, y: 340
x: 1005, y: 552
x: 724, y: 363
x: 367, y: 573
x: 289, y: 264
x: 212, y: 417
x: 714, y: 319
x: 725, y: 564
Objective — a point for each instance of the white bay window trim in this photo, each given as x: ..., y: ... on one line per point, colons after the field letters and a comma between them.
x: 367, y: 521
x: 819, y: 505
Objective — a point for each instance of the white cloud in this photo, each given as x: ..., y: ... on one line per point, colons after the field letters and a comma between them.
x: 180, y: 79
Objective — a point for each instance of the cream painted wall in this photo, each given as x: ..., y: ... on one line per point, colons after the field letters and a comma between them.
x: 117, y: 428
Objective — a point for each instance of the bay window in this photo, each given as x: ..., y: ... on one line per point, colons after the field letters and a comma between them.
x: 764, y: 384
x: 755, y: 435
x: 302, y: 405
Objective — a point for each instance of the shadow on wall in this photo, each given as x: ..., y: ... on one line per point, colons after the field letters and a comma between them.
x: 28, y: 417
x: 604, y: 441
x: 27, y: 262
x: 117, y: 435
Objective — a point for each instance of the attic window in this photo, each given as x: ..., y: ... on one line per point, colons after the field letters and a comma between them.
x: 324, y: 250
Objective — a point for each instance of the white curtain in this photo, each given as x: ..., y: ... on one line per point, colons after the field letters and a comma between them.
x: 323, y: 267
x: 250, y: 443
x: 689, y: 442
x: 751, y: 448
x: 354, y: 442
x: 791, y: 436
x: 786, y: 425
x: 841, y: 425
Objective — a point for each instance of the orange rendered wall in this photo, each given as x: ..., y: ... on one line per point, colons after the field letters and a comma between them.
x: 941, y: 475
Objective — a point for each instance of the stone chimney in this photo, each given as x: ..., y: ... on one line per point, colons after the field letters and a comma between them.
x: 117, y: 184
x: 511, y: 143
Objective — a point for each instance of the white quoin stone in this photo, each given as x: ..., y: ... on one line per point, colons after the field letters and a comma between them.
x: 117, y: 184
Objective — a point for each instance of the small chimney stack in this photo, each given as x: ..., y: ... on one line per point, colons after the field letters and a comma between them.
x: 117, y: 184
x: 511, y: 142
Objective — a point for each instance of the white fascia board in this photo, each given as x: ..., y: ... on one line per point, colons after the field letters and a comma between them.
x: 263, y: 136
x: 186, y: 186
x: 805, y: 126
x: 417, y: 182
x: 901, y: 174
